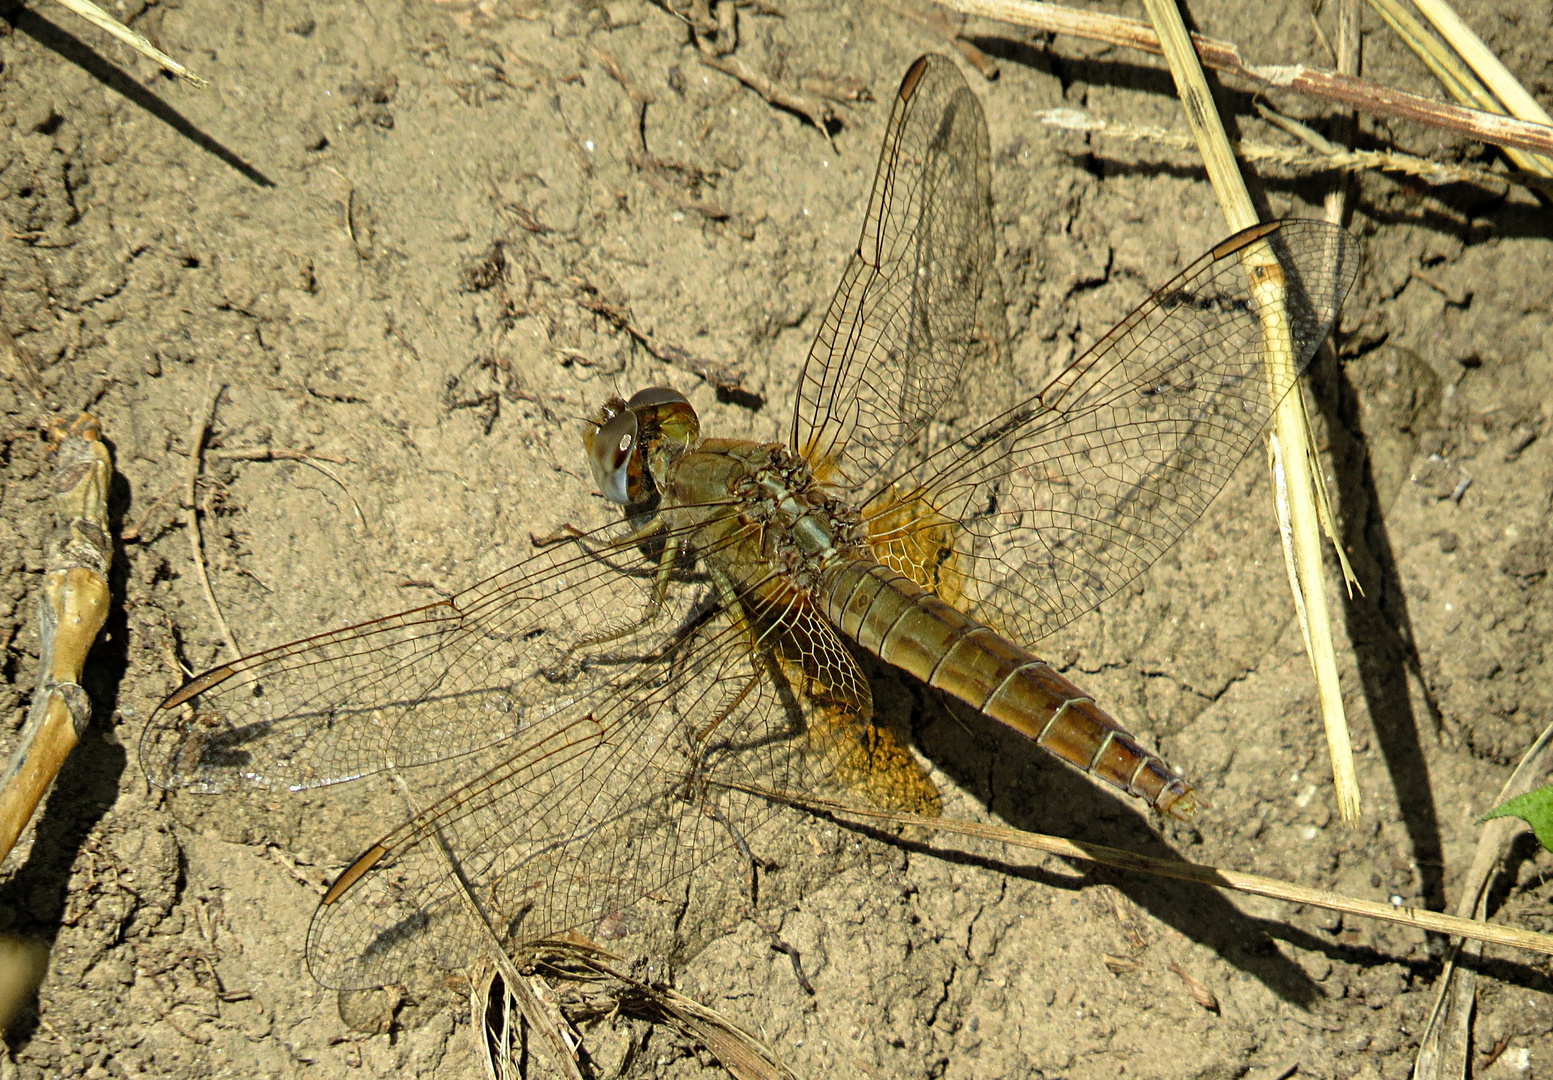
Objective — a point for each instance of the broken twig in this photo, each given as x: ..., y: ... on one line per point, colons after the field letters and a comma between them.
x: 196, y: 444
x: 71, y: 610
x: 816, y: 110
x: 1365, y: 96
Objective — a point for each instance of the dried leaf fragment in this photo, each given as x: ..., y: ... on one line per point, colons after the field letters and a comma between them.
x: 1199, y: 990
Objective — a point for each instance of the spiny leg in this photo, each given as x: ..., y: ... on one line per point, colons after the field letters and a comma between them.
x: 741, y: 622
x: 672, y: 548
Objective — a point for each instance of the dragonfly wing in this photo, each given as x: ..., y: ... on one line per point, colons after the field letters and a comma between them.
x: 419, y: 687
x: 855, y: 753
x: 1049, y: 508
x: 596, y: 808
x: 605, y: 809
x: 916, y: 329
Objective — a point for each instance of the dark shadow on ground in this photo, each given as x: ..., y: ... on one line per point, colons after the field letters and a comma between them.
x: 73, y: 49
x: 1377, y: 619
x: 1459, y: 209
x: 1027, y: 788
x: 33, y: 900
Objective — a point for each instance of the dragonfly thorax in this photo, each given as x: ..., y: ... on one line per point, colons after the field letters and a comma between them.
x: 805, y: 523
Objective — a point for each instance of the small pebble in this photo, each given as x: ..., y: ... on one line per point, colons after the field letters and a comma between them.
x: 1449, y: 542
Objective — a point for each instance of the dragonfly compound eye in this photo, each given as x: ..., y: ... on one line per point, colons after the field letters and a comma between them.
x: 609, y: 452
x: 665, y: 414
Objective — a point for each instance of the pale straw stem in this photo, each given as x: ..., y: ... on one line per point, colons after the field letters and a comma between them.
x: 1454, y: 76
x: 1368, y: 97
x: 1254, y: 884
x: 1291, y: 426
x: 108, y: 24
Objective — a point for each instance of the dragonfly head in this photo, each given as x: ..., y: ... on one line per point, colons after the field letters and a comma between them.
x: 631, y: 443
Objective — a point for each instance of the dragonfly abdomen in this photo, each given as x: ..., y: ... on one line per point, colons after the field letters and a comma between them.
x: 905, y: 625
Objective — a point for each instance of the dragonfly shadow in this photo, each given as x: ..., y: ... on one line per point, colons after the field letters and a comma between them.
x: 1029, y: 790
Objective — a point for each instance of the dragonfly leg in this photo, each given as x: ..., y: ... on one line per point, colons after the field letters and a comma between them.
x: 756, y: 863
x: 660, y: 589
x: 741, y: 622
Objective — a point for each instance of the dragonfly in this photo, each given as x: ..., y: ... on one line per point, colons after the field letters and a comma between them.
x: 608, y: 717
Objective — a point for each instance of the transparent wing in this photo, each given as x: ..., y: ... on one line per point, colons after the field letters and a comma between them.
x: 415, y: 688
x: 601, y: 745
x: 1047, y: 509
x: 915, y: 338
x: 608, y: 807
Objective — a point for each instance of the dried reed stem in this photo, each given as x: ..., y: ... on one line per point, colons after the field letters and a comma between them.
x: 71, y: 610
x: 1116, y: 858
x: 1301, y: 161
x: 1367, y: 97
x: 1506, y: 87
x: 1294, y: 482
x: 107, y: 23
x: 1457, y: 79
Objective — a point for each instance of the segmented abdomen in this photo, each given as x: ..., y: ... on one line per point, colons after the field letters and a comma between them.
x: 903, y: 624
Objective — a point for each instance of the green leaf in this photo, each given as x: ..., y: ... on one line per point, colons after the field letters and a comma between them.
x: 1535, y: 808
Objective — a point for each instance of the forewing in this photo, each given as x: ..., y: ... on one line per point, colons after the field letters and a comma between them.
x: 1061, y: 500
x: 419, y: 687
x: 915, y: 340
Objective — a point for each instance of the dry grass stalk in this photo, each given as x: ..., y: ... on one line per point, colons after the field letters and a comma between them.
x: 71, y: 610
x: 107, y: 23
x: 1432, y: 921
x: 1349, y: 47
x: 1299, y: 161
x: 1446, y: 1043
x: 597, y: 988
x: 744, y: 1056
x: 1506, y: 87
x: 1457, y: 79
x: 741, y: 1053
x: 1335, y: 209
x: 198, y: 430
x: 313, y: 461
x: 1293, y: 469
x: 542, y: 1015
x: 1367, y: 97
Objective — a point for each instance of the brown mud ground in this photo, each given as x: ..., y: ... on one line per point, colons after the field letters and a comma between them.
x: 394, y: 232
